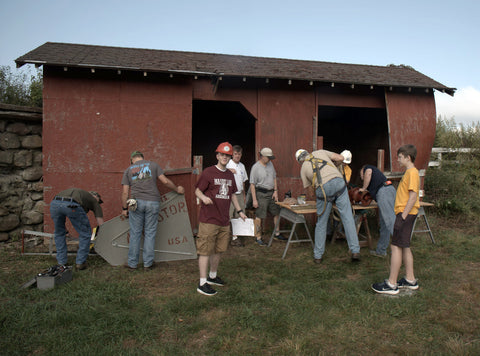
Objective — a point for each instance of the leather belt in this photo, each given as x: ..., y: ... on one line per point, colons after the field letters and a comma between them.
x: 263, y: 190
x: 65, y: 199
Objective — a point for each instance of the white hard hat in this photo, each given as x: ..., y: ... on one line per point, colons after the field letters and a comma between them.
x: 300, y: 154
x: 347, y: 155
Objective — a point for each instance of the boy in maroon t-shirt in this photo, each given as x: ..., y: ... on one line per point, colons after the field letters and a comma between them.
x: 216, y: 190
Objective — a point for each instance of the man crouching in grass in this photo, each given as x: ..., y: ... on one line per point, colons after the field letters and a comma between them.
x: 406, y: 210
x: 216, y: 190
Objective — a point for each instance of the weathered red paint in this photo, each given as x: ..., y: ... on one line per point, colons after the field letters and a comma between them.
x: 412, y: 119
x: 91, y: 125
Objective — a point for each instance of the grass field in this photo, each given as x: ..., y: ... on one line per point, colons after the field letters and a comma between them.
x: 269, y: 306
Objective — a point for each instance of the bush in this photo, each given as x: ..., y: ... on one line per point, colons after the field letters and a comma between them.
x: 454, y: 187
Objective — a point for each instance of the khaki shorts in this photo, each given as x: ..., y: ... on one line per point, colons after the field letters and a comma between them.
x: 212, y: 239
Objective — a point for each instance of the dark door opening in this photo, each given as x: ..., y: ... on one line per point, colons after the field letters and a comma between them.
x: 215, y: 122
x: 363, y: 131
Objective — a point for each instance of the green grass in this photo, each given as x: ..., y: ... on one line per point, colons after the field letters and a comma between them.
x: 270, y: 306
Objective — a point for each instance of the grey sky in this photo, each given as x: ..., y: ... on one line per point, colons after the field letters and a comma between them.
x: 438, y: 38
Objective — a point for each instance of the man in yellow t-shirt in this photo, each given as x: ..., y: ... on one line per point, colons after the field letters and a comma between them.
x: 406, y: 210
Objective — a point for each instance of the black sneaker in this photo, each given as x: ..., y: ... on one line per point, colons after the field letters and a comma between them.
x: 280, y: 237
x: 206, y: 290
x: 403, y: 283
x: 260, y: 242
x: 217, y: 281
x: 384, y: 288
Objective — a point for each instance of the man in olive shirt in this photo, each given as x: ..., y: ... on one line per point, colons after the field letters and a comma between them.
x: 75, y: 203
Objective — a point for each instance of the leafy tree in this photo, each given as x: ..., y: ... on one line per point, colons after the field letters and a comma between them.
x: 21, y: 88
x: 449, y: 134
x: 455, y: 186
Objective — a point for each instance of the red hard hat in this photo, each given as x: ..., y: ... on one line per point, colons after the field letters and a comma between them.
x: 226, y: 148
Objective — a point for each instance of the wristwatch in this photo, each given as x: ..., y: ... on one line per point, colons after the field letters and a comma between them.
x: 239, y: 211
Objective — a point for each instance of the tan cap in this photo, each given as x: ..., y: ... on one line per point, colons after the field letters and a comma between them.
x: 267, y: 152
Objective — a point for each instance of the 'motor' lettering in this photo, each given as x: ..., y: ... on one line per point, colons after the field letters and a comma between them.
x: 170, y: 210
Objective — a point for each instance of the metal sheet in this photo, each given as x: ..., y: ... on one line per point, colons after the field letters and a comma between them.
x: 174, y: 239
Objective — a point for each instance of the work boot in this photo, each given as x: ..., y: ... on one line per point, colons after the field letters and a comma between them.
x: 81, y: 266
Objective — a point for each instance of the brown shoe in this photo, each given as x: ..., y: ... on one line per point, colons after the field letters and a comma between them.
x: 81, y: 266
x: 317, y: 260
x: 355, y: 257
x: 129, y: 268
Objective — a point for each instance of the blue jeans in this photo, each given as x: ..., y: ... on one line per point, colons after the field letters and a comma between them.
x: 386, y: 202
x: 332, y: 187
x: 59, y: 211
x: 143, y: 219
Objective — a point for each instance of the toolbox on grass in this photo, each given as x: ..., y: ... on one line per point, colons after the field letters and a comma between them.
x: 54, y: 276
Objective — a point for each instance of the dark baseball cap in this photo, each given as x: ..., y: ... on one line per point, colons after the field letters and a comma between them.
x: 95, y: 194
x: 136, y: 153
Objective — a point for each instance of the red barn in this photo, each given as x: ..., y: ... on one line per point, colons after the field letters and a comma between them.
x: 101, y: 103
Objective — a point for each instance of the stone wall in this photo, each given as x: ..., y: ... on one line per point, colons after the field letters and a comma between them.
x: 21, y: 186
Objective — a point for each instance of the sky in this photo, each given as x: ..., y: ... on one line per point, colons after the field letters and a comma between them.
x: 438, y: 38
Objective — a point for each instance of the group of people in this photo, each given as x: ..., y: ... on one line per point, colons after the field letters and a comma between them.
x: 221, y: 191
x: 398, y: 209
x: 140, y: 202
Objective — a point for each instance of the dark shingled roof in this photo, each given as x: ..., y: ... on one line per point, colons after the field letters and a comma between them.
x: 135, y: 59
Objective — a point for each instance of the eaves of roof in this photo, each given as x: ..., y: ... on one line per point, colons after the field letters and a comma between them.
x: 211, y: 64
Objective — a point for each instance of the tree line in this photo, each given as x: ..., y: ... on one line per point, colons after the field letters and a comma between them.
x: 21, y: 88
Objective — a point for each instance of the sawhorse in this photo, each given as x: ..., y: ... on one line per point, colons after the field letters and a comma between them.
x: 294, y: 218
x: 421, y: 213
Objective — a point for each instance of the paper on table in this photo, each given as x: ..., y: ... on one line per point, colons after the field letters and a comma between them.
x: 242, y: 228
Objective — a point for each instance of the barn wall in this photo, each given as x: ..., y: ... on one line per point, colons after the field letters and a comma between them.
x: 285, y: 124
x: 91, y: 127
x: 92, y: 124
x: 411, y: 119
x: 367, y: 98
x: 204, y: 90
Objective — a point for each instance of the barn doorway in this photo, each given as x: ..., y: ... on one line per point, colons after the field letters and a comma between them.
x: 214, y: 122
x: 363, y: 131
